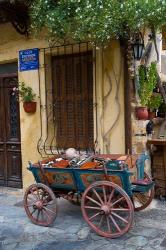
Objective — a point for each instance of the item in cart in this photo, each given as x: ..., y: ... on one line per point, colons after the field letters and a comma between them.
x: 61, y: 164
x: 90, y: 165
x: 71, y: 153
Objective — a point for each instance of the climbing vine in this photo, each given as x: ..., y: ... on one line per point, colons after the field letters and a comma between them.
x: 96, y: 20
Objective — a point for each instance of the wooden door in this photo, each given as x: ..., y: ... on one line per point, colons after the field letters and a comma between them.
x: 10, y: 145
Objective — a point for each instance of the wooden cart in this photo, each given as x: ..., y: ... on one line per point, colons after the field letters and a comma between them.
x: 106, y: 194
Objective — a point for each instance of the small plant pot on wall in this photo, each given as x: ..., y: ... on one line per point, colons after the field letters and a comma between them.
x: 29, y: 107
x: 141, y: 113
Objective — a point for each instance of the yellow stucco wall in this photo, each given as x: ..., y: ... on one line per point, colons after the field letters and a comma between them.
x: 110, y: 97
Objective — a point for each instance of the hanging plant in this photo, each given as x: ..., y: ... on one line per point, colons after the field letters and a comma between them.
x: 25, y: 94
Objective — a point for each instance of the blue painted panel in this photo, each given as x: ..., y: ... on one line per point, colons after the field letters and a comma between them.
x: 28, y: 59
x: 57, y: 178
x: 115, y: 165
x: 142, y: 188
x: 85, y: 177
x: 77, y: 179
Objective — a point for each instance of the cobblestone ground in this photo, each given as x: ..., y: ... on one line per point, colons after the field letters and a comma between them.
x: 70, y: 231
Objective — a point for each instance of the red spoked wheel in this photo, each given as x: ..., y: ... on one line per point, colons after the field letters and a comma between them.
x: 40, y: 204
x: 142, y: 200
x: 107, y: 209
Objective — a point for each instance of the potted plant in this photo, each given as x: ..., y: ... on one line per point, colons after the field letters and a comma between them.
x: 147, y: 83
x: 27, y: 96
x: 154, y: 103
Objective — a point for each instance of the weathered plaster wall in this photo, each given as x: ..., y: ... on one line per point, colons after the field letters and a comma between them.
x: 110, y: 97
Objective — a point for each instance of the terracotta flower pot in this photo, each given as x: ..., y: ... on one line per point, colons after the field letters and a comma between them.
x: 29, y: 107
x: 141, y: 113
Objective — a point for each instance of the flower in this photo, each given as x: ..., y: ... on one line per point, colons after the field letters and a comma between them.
x: 24, y: 93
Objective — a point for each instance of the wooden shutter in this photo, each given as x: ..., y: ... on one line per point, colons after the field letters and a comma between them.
x: 73, y: 100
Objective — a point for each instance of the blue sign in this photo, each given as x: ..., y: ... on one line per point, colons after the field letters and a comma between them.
x: 28, y: 59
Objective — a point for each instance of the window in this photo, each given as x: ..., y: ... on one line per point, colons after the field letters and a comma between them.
x: 73, y: 100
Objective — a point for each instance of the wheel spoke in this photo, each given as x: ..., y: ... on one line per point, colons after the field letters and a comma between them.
x: 97, y: 195
x: 101, y: 221
x: 46, y: 208
x: 51, y: 202
x: 34, y: 210
x: 89, y: 198
x: 45, y: 200
x: 30, y: 205
x: 120, y: 209
x: 115, y: 224
x: 96, y: 208
x: 94, y: 216
x: 111, y: 195
x: 50, y: 205
x: 44, y: 211
x: 38, y: 212
x: 108, y: 223
x: 32, y: 192
x: 31, y: 198
x: 42, y: 215
x: 37, y: 190
x: 122, y: 198
x: 104, y: 193
x: 42, y: 195
x: 121, y: 218
x: 37, y: 193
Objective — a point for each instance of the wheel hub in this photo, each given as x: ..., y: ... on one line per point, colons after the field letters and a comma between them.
x: 39, y: 204
x: 105, y: 208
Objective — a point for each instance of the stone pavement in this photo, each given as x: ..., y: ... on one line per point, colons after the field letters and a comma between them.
x: 70, y: 231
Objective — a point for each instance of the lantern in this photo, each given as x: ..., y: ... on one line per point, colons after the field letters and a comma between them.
x: 138, y: 47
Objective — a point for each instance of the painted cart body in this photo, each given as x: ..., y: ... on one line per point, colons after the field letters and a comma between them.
x: 106, y: 195
x: 73, y: 179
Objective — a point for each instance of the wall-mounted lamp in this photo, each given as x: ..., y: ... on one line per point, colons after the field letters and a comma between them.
x: 138, y: 47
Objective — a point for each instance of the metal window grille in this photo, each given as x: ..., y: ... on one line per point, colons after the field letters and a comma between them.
x: 67, y: 98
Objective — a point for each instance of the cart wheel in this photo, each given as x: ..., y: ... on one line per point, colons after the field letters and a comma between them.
x: 107, y: 209
x: 142, y: 200
x: 40, y: 204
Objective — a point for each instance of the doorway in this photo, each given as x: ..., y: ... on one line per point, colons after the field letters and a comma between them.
x: 10, y: 141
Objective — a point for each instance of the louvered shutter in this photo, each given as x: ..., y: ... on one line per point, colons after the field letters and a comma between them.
x: 73, y: 100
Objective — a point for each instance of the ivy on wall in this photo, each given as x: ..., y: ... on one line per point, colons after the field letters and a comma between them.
x: 96, y: 20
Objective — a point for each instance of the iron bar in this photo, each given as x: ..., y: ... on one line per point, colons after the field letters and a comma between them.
x: 73, y: 58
